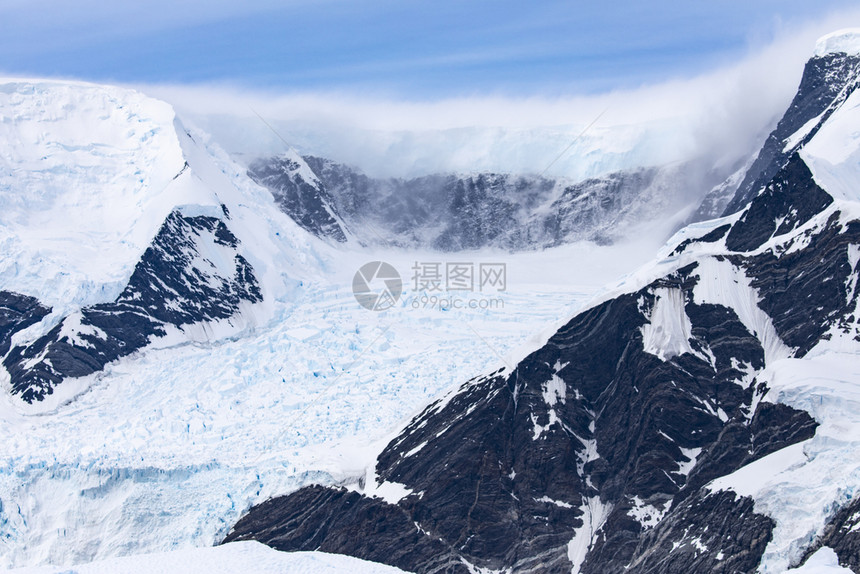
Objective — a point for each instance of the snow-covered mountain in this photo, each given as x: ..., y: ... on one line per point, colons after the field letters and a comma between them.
x: 227, y: 355
x: 702, y: 417
x: 300, y: 194
x: 176, y: 350
x: 456, y: 212
x: 829, y: 78
x: 122, y: 231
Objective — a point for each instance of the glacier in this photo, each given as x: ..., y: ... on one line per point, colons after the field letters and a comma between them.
x: 164, y: 449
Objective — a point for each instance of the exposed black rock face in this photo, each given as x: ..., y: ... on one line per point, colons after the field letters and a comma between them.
x: 827, y: 82
x: 457, y: 212
x: 711, y: 532
x: 177, y: 282
x: 336, y: 520
x: 174, y: 287
x: 590, y: 431
x: 807, y: 284
x: 791, y: 199
x: 306, y: 202
x: 743, y: 440
x: 17, y: 312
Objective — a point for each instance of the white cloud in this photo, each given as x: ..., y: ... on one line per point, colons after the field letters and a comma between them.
x: 722, y: 114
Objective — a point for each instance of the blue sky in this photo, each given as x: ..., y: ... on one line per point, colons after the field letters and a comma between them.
x: 405, y: 48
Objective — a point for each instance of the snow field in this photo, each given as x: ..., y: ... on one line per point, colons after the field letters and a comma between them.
x: 227, y: 559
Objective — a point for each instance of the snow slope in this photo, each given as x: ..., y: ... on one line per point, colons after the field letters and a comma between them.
x: 227, y: 559
x: 841, y: 41
x: 833, y: 155
x: 822, y: 562
x: 89, y: 173
x: 86, y: 177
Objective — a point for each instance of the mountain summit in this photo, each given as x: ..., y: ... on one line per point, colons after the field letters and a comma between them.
x: 829, y: 79
x: 122, y: 230
x: 840, y: 42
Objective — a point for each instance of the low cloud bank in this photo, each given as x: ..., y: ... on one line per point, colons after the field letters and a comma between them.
x: 722, y: 115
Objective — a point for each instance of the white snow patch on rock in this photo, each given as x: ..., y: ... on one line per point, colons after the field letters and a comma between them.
x: 558, y: 503
x: 554, y: 391
x: 722, y: 283
x: 691, y: 454
x: 594, y: 515
x: 646, y: 514
x: 669, y: 332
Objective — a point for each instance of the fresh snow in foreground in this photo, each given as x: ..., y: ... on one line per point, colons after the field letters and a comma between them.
x: 233, y: 558
x: 823, y: 561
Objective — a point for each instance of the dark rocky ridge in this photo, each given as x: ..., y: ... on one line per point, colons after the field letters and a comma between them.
x: 826, y: 84
x: 306, y: 202
x: 508, y: 469
x: 450, y: 212
x: 790, y: 199
x: 306, y: 526
x: 842, y: 534
x: 173, y: 284
x: 610, y: 433
x: 17, y: 312
x: 692, y: 538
